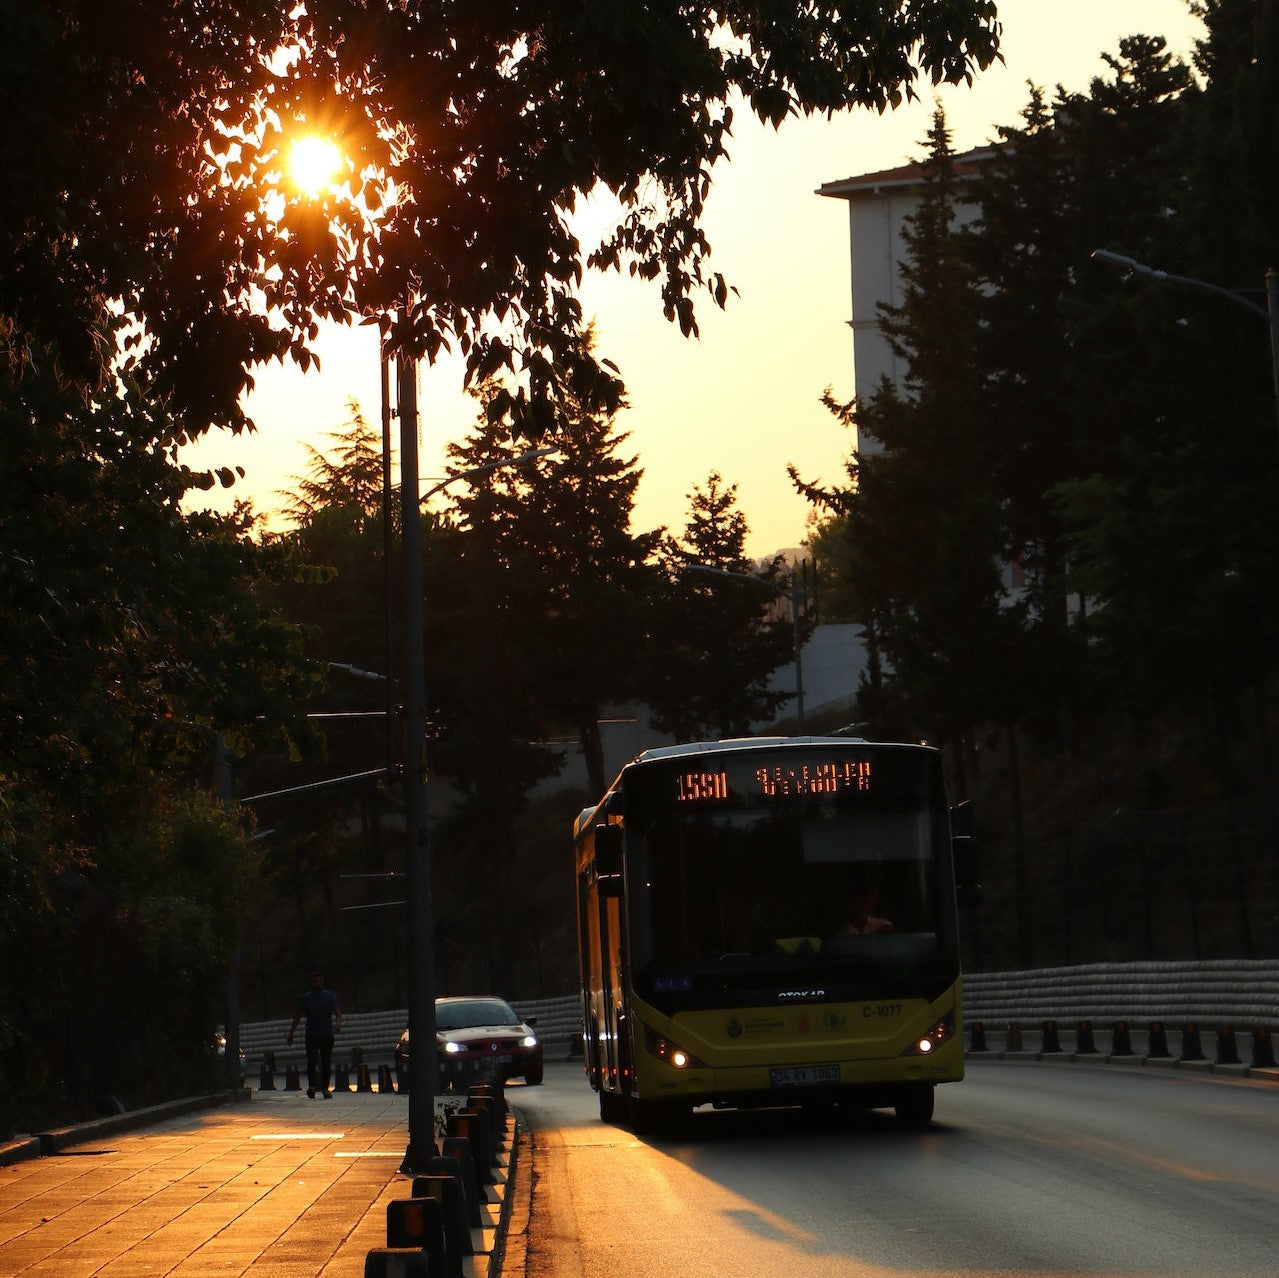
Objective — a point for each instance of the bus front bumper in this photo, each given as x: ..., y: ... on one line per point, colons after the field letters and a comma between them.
x: 864, y: 1083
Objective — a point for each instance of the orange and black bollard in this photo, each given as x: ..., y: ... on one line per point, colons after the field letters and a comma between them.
x: 1263, y: 1050
x: 1227, y: 1054
x: 1120, y: 1039
x: 1158, y: 1044
x: 1191, y: 1049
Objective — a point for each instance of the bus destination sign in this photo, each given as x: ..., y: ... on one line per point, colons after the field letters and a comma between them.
x: 776, y: 781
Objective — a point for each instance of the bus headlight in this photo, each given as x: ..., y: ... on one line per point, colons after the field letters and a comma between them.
x: 934, y: 1038
x: 671, y: 1053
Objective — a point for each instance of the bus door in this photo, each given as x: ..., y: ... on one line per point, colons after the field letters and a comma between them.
x: 611, y: 1029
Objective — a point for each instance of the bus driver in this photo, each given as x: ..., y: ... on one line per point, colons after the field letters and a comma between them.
x: 860, y: 916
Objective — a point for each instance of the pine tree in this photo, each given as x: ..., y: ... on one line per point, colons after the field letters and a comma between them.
x: 348, y: 475
x: 714, y: 641
x: 923, y: 524
x: 566, y: 568
x: 1054, y: 338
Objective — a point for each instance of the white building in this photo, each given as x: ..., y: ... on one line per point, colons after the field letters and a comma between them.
x: 878, y: 206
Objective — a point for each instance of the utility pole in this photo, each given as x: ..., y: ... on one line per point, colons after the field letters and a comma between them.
x: 422, y: 1062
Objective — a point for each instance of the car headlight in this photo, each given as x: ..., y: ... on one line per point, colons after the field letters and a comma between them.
x: 929, y: 1042
x: 529, y: 1040
x: 452, y: 1048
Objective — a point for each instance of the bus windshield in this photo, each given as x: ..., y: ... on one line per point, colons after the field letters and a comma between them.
x: 769, y: 866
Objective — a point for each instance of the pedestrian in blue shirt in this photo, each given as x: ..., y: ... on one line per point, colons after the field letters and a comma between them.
x: 323, y: 1015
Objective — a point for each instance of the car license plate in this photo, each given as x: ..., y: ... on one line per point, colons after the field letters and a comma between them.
x: 804, y: 1076
x: 503, y: 1060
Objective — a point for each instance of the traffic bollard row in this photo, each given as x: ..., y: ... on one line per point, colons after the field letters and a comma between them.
x: 430, y: 1232
x: 1191, y: 1051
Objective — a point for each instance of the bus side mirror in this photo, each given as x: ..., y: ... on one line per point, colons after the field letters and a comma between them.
x: 608, y: 858
x: 968, y: 890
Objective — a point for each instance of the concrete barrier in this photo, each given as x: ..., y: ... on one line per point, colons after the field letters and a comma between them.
x: 1221, y: 991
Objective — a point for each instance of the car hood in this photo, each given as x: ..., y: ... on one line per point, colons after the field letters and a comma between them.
x: 482, y: 1031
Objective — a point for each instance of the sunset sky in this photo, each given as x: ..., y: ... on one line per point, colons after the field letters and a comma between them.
x: 744, y: 399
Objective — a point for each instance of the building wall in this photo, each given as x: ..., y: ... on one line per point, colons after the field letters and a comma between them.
x: 879, y: 205
x: 832, y: 662
x: 875, y: 221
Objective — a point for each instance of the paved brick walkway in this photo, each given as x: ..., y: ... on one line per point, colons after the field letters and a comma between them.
x: 278, y: 1186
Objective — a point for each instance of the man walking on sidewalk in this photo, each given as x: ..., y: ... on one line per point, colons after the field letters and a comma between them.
x: 323, y: 1015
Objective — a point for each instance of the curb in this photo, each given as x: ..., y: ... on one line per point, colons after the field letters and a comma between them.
x: 1217, y: 1069
x: 55, y: 1139
x: 509, y: 1258
x: 17, y: 1151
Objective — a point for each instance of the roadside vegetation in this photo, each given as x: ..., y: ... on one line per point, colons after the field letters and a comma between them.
x: 152, y: 256
x: 1115, y: 442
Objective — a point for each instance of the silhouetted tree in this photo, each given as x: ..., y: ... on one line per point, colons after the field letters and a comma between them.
x: 714, y: 641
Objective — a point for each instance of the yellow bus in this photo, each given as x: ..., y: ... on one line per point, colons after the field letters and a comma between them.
x: 770, y: 921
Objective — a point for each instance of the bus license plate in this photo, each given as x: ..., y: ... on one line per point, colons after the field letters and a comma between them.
x: 804, y: 1076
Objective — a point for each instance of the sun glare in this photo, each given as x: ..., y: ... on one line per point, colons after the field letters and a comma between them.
x: 313, y: 163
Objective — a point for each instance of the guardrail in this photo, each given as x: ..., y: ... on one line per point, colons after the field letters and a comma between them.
x: 1011, y: 1009
x: 370, y: 1037
x: 1238, y: 992
x: 366, y: 1036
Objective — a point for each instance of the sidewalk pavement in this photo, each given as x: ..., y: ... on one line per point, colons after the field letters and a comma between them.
x: 262, y: 1182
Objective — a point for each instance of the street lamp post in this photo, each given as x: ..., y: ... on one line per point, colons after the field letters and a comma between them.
x: 793, y: 595
x: 422, y: 1061
x: 314, y: 161
x: 1269, y: 312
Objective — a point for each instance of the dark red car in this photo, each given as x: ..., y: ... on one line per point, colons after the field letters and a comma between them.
x: 476, y: 1033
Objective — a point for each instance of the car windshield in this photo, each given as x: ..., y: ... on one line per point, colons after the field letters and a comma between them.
x: 474, y: 1011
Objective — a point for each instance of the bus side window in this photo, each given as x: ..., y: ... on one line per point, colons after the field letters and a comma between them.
x: 608, y: 858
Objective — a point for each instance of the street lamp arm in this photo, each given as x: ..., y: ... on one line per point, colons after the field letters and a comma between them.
x: 1269, y: 312
x: 1185, y: 281
x: 519, y: 460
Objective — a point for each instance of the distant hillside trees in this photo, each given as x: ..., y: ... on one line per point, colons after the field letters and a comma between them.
x: 1062, y: 528
x: 1113, y: 440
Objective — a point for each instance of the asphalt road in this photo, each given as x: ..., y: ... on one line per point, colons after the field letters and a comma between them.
x: 1030, y: 1168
